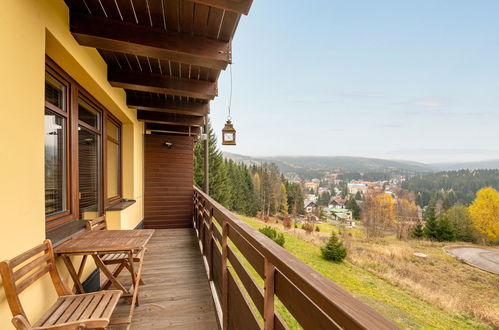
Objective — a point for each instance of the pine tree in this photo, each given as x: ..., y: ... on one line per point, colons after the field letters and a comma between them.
x: 251, y: 202
x: 219, y: 189
x: 352, y: 206
x: 460, y: 219
x: 445, y: 230
x: 431, y: 225
x: 418, y: 232
x: 295, y: 198
x: 243, y: 189
x: 358, y: 196
x: 334, y: 250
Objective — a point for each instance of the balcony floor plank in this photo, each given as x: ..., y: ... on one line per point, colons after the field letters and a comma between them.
x: 176, y: 293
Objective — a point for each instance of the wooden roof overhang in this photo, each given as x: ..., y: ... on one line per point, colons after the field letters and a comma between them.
x: 166, y: 54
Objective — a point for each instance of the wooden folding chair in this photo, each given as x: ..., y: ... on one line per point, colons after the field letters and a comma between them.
x: 90, y: 310
x: 120, y: 259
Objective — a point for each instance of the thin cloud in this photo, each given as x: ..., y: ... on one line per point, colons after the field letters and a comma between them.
x: 391, y: 125
x: 427, y: 103
x: 444, y: 151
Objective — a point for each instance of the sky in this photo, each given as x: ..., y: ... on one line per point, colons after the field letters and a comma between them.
x: 414, y: 79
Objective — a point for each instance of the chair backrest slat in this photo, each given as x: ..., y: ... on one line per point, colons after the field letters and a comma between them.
x: 18, y: 274
x: 32, y: 278
x: 99, y: 223
x: 27, y: 255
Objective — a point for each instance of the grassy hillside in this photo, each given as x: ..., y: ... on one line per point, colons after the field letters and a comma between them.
x: 387, y: 295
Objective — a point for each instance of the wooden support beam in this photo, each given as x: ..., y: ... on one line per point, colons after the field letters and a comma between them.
x: 156, y: 103
x: 157, y: 83
x: 131, y: 38
x: 169, y: 118
x: 237, y: 6
x: 172, y: 129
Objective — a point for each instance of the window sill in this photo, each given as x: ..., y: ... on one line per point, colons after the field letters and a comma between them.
x: 62, y: 233
x: 121, y: 205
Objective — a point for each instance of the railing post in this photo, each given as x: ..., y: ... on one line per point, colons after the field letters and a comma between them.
x: 268, y: 296
x: 195, y: 210
x: 210, y: 248
x: 207, y: 157
x: 225, y: 277
x: 202, y: 227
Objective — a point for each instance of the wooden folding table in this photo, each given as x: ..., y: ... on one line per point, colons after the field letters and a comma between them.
x: 98, y: 243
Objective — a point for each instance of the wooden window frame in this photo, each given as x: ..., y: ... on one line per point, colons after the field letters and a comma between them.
x: 95, y: 105
x: 109, y: 201
x: 73, y: 93
x: 67, y: 215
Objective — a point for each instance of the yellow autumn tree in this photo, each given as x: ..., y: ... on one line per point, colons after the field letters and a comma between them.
x: 378, y: 213
x: 283, y: 200
x: 485, y: 213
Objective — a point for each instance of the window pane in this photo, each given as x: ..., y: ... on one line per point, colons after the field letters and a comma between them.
x: 113, y: 169
x: 87, y: 114
x: 89, y: 169
x: 55, y: 163
x: 112, y: 130
x: 55, y: 92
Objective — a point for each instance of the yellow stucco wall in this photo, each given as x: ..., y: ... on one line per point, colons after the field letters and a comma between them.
x: 30, y: 29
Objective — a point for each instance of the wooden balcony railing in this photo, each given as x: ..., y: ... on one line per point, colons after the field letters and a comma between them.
x: 229, y: 244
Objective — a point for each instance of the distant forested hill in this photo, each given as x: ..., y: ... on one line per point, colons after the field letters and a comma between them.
x: 451, y: 186
x: 356, y: 168
x: 308, y: 167
x: 484, y: 164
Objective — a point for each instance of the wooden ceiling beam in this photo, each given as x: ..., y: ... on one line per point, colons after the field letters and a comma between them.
x: 237, y: 6
x: 169, y: 118
x: 130, y: 38
x: 157, y: 83
x: 172, y: 129
x: 153, y: 103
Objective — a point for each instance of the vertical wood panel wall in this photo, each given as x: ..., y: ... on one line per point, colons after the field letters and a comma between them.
x: 168, y: 181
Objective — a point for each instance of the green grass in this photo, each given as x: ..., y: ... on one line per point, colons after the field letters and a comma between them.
x: 394, y: 303
x: 328, y: 228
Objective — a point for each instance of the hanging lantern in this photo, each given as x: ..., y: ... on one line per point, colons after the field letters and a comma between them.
x: 229, y: 134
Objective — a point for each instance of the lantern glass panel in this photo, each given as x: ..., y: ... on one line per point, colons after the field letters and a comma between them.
x: 228, y: 136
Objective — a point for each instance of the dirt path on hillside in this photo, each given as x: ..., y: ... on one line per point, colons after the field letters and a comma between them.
x: 482, y: 258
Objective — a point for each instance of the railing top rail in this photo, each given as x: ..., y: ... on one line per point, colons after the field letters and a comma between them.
x: 340, y: 305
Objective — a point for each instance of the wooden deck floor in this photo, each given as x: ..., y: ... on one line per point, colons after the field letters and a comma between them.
x: 176, y: 293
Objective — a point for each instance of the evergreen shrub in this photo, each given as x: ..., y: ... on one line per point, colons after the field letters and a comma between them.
x: 334, y: 250
x: 273, y: 234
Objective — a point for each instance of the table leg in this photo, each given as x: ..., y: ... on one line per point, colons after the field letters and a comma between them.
x: 80, y: 269
x: 134, y: 278
x: 141, y: 282
x: 108, y: 273
x: 136, y: 282
x: 116, y: 272
x: 73, y: 274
